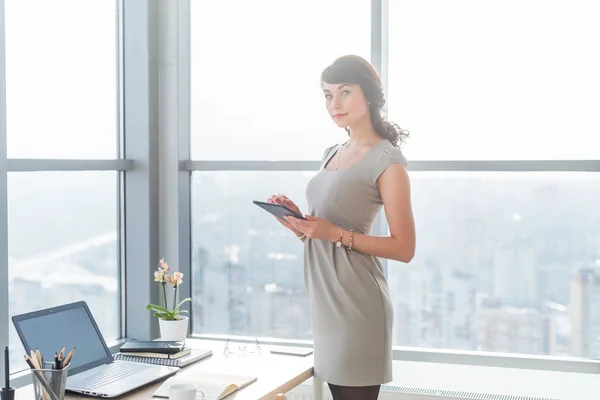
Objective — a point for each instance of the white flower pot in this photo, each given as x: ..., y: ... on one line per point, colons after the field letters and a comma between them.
x: 173, y: 330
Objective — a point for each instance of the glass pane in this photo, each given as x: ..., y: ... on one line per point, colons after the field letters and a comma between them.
x: 505, y: 262
x: 62, y: 246
x: 61, y: 78
x: 479, y: 80
x: 255, y: 88
x: 247, y: 268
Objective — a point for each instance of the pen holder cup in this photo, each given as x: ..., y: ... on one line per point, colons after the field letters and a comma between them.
x: 49, y: 384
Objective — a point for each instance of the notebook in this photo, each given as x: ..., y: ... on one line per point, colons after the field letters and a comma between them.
x: 195, y: 356
x: 180, y: 354
x: 214, y: 385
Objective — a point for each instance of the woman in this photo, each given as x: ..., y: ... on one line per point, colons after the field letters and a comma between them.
x: 350, y: 305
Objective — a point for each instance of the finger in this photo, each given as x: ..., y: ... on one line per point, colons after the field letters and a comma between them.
x: 288, y: 203
x: 291, y: 220
x: 310, y: 217
x: 285, y: 223
x: 300, y: 223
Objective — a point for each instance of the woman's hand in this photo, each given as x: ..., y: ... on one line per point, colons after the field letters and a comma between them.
x: 315, y: 228
x: 284, y: 201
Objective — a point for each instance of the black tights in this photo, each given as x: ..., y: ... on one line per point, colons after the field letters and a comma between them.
x: 354, y: 392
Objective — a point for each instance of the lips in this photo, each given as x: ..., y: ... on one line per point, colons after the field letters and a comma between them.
x: 339, y: 115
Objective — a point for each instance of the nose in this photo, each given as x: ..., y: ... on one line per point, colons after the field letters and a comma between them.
x: 335, y: 103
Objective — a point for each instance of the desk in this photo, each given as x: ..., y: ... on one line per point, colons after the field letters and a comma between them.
x: 276, y: 374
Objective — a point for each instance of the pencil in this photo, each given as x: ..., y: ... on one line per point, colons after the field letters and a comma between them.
x: 40, y: 376
x: 34, y: 360
x: 39, y: 358
x: 68, y: 358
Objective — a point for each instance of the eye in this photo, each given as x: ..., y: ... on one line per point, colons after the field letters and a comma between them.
x: 328, y: 96
x: 345, y: 92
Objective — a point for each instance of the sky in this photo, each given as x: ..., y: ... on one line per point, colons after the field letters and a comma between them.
x: 468, y: 79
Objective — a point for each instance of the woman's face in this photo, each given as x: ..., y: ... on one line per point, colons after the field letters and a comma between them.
x: 345, y: 103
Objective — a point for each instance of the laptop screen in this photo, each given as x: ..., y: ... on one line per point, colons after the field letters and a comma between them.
x: 65, y: 326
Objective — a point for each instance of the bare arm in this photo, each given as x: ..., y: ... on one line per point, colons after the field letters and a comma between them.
x: 394, y: 186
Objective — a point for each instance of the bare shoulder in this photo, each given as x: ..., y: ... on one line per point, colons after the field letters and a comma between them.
x: 395, y: 175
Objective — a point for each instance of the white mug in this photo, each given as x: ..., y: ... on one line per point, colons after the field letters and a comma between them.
x: 184, y: 391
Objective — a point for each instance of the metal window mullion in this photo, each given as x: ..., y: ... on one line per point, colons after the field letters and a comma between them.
x: 4, y: 303
x: 503, y: 360
x: 141, y: 184
x: 26, y: 165
x: 184, y: 151
x: 173, y: 137
x: 414, y: 166
x: 121, y: 223
x: 379, y: 60
x: 249, y: 165
x: 506, y: 166
x: 120, y: 112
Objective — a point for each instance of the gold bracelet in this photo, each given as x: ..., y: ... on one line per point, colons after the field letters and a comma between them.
x: 349, y: 247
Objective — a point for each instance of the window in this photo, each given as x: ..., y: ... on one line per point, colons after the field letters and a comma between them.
x: 247, y: 269
x: 255, y: 75
x: 62, y: 91
x: 505, y: 262
x: 61, y: 79
x: 62, y: 245
x: 510, y: 80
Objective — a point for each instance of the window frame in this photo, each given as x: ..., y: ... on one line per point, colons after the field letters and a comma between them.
x: 4, y: 303
x: 155, y: 186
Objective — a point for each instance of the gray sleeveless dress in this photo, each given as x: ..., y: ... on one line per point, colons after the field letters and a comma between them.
x: 349, y: 299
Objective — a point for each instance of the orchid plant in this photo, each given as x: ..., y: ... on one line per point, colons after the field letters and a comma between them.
x: 161, y: 275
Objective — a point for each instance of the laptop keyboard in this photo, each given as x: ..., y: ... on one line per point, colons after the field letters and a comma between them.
x: 113, y: 373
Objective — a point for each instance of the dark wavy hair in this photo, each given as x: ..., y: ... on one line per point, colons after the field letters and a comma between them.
x: 358, y: 71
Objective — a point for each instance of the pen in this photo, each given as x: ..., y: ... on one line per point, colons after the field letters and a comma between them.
x: 6, y: 369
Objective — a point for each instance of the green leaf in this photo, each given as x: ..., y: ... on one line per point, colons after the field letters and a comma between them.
x: 154, y: 307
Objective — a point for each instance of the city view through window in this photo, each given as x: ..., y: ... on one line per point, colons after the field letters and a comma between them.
x: 505, y: 261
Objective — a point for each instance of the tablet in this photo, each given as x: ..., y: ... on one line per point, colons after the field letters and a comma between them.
x: 277, y: 210
x: 291, y: 351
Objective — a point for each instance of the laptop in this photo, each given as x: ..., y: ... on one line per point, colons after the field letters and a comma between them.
x: 93, y: 370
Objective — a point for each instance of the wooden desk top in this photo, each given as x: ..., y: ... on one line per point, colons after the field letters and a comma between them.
x: 276, y: 373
